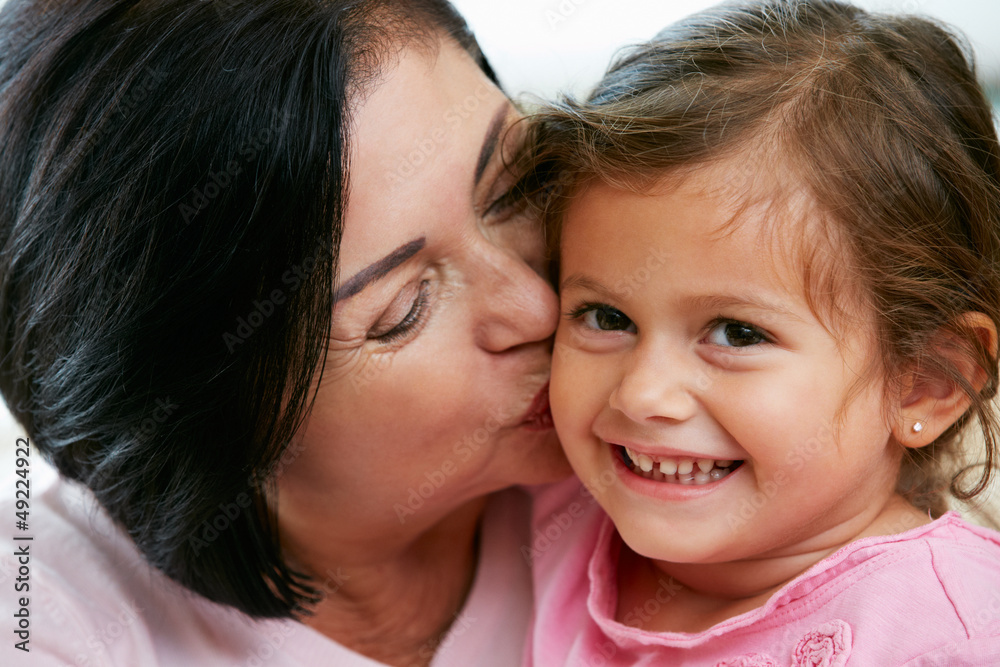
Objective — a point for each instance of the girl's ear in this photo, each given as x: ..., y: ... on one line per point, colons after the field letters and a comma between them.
x: 931, y: 401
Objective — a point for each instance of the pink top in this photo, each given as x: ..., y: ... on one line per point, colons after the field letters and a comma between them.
x: 929, y: 596
x: 93, y: 601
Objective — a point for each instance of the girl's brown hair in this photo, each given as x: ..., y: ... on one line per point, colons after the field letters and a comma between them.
x: 879, y: 116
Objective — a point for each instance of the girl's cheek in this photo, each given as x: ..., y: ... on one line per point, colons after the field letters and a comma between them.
x: 572, y: 398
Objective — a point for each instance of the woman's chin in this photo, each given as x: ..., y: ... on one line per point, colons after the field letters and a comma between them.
x: 546, y: 463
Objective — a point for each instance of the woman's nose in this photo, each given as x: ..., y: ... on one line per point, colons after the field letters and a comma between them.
x: 653, y: 387
x: 519, y: 306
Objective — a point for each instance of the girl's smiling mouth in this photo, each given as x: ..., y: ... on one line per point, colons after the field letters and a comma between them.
x: 675, y: 470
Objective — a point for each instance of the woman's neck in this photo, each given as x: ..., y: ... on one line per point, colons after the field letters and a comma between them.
x: 396, y: 603
x: 692, y: 597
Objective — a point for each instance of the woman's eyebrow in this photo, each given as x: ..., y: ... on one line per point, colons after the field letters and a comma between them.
x: 491, y: 139
x: 378, y: 269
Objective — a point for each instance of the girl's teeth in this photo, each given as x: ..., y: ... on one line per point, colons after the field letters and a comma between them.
x: 689, y: 472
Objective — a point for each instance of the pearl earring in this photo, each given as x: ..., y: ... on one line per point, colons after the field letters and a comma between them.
x: 917, y: 427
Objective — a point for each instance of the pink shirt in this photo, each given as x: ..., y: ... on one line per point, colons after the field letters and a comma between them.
x: 929, y: 596
x: 93, y: 600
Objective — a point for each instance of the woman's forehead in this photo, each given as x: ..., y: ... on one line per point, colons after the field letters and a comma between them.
x: 415, y: 149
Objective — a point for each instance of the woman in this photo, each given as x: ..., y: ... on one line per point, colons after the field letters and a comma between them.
x: 265, y: 299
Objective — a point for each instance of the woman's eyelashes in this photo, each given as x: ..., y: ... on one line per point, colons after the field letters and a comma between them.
x: 504, y: 192
x: 500, y: 201
x: 502, y: 205
x: 398, y: 328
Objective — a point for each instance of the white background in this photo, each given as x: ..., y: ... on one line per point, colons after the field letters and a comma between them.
x: 549, y: 46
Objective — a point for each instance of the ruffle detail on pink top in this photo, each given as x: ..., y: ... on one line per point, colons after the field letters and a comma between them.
x: 829, y: 645
x: 750, y: 660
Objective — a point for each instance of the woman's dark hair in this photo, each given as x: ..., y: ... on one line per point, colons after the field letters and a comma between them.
x: 173, y: 179
x: 880, y: 118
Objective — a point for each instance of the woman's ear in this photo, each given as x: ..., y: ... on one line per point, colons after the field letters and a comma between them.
x: 931, y: 401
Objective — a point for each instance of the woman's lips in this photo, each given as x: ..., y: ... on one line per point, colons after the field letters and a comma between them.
x: 538, y: 417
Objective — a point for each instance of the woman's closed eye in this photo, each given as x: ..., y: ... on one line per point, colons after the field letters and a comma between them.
x: 502, y: 205
x: 502, y: 195
x: 601, y: 317
x: 404, y: 317
x: 733, y: 333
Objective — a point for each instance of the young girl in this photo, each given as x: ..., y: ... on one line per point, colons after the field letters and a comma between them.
x: 779, y: 269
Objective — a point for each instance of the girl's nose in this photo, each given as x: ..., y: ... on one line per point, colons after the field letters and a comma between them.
x: 654, y: 388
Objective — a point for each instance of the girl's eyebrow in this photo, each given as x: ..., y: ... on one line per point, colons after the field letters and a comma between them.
x: 580, y: 281
x: 698, y: 302
x: 746, y: 299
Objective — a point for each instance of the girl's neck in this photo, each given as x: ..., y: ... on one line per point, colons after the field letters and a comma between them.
x: 395, y: 605
x: 693, y: 597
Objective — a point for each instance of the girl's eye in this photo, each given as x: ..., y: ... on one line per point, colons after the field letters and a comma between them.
x: 408, y: 323
x: 604, y: 318
x: 735, y: 334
